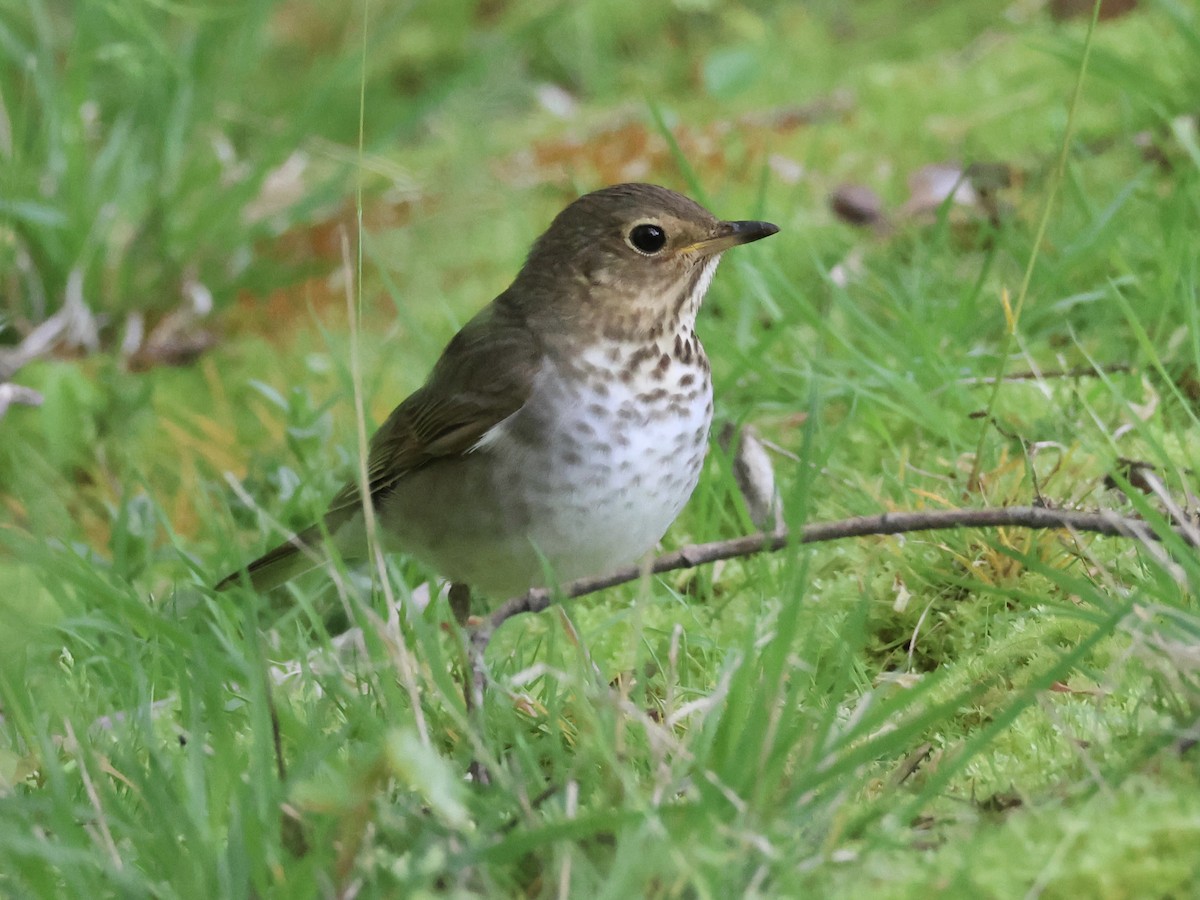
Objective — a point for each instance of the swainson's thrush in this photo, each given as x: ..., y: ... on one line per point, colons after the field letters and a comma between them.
x: 565, y: 425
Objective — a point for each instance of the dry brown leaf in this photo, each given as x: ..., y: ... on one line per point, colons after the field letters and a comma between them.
x: 857, y: 205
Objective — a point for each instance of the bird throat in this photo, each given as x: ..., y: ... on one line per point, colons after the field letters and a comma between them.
x: 649, y: 316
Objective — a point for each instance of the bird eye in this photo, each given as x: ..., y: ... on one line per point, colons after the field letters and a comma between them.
x: 647, y: 238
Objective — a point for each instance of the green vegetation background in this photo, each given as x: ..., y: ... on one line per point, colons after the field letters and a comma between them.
x: 993, y: 714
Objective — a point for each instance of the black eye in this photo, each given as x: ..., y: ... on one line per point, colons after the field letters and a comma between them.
x: 647, y: 238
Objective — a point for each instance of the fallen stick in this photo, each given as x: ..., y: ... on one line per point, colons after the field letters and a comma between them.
x: 1105, y: 522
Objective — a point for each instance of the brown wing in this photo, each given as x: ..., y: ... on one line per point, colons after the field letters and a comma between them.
x: 484, y: 376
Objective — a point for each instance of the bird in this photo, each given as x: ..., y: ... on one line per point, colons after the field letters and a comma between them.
x: 564, y: 427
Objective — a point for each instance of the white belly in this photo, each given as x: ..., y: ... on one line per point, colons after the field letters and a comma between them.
x: 580, y: 481
x: 615, y: 473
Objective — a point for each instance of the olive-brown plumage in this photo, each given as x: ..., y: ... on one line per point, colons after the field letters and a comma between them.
x: 564, y: 427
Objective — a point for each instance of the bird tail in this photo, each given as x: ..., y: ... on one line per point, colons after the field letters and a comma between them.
x: 283, y: 563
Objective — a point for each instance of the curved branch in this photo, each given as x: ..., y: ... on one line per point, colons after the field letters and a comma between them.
x: 1105, y: 522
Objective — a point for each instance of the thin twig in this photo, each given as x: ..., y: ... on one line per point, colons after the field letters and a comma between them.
x: 1048, y: 374
x: 1104, y: 522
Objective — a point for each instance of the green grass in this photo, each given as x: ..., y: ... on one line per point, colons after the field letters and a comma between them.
x: 987, y: 713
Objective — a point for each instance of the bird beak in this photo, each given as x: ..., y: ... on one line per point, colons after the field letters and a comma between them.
x: 730, y: 234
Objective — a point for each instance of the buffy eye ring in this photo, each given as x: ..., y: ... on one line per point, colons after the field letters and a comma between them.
x: 647, y: 238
